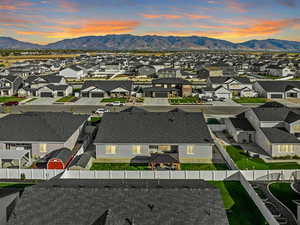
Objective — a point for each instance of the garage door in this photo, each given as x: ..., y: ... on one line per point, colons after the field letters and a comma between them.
x: 276, y: 95
x: 223, y: 95
x: 46, y: 94
x: 60, y: 93
x: 97, y: 95
x: 161, y: 94
x: 85, y: 94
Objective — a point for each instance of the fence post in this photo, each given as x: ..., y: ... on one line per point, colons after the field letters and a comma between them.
x: 125, y: 174
x: 7, y: 175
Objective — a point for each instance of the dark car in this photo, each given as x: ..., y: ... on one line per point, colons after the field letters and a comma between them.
x: 12, y: 103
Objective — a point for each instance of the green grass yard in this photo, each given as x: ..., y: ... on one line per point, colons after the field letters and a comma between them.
x: 249, y: 100
x: 241, y: 210
x: 244, y: 162
x: 200, y: 166
x: 122, y: 100
x: 182, y: 101
x: 118, y: 166
x: 15, y: 185
x: 67, y: 99
x: 284, y: 193
x: 10, y: 99
x: 95, y: 119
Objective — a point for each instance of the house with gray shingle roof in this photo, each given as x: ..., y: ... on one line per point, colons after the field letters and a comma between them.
x: 126, y: 136
x: 40, y: 132
x: 277, y: 89
x: 112, y: 202
x: 275, y: 128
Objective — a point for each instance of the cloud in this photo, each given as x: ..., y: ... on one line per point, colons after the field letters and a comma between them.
x: 10, y: 5
x: 161, y: 16
x: 175, y: 16
x: 67, y: 6
x: 288, y: 3
x: 236, y: 5
x: 91, y: 27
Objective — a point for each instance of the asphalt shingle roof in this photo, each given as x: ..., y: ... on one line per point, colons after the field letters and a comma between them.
x: 108, y: 85
x: 278, y: 86
x: 40, y: 126
x: 153, y: 127
x: 277, y: 135
x: 109, y: 202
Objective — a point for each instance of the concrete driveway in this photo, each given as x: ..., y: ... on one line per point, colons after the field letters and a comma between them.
x: 43, y: 101
x: 156, y: 101
x: 227, y: 102
x: 88, y: 101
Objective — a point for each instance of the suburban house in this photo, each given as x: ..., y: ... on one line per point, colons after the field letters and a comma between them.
x: 136, y: 134
x: 40, y: 132
x: 219, y: 92
x: 277, y: 89
x: 275, y: 70
x: 168, y: 73
x: 126, y: 202
x: 74, y: 72
x: 45, y: 86
x: 169, y: 87
x: 239, y: 86
x: 9, y: 85
x: 146, y: 70
x: 272, y: 126
x: 100, y: 89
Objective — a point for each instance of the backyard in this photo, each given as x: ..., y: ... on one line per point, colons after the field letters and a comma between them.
x: 10, y: 99
x: 245, y: 162
x: 15, y: 185
x: 183, y: 101
x: 184, y: 166
x: 122, y: 100
x: 249, y: 100
x: 200, y: 166
x: 241, y: 210
x: 284, y: 193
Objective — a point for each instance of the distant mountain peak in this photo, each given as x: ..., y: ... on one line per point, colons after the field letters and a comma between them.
x: 152, y: 42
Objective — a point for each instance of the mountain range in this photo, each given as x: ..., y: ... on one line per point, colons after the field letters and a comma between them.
x: 152, y: 42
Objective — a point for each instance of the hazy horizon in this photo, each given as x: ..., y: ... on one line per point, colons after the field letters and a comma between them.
x: 46, y: 21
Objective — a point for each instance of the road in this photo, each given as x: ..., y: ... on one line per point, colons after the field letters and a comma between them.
x: 206, y: 109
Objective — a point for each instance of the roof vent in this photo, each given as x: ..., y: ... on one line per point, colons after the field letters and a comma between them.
x: 130, y: 221
x: 151, y: 207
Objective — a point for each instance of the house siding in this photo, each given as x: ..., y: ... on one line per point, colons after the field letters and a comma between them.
x: 202, y: 152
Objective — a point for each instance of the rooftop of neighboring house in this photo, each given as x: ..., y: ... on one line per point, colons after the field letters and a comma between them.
x: 278, y: 86
x: 105, y: 202
x: 44, y: 79
x: 108, y: 85
x: 222, y: 80
x: 153, y: 127
x: 171, y: 81
x: 40, y: 126
x: 279, y: 135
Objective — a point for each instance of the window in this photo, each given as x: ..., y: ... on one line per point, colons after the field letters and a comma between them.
x: 173, y: 85
x: 165, y: 147
x: 43, y: 148
x: 296, y: 128
x: 7, y: 84
x: 286, y: 149
x: 190, y: 149
x: 110, y: 149
x: 136, y: 149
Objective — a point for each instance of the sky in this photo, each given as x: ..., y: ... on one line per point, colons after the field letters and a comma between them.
x: 47, y: 21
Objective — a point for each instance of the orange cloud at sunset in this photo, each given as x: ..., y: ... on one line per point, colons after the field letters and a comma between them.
x: 91, y: 27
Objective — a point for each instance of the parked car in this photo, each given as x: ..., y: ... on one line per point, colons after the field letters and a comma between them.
x: 115, y: 104
x: 207, y: 99
x: 101, y: 111
x: 12, y: 103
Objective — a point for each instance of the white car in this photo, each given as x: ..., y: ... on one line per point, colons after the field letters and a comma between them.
x: 115, y: 104
x: 101, y: 111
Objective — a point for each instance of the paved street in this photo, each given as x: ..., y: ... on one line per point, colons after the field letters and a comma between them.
x: 87, y: 101
x: 207, y: 109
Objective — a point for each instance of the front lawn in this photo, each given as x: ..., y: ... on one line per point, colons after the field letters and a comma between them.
x: 95, y: 119
x: 118, y: 166
x: 241, y: 210
x: 203, y: 166
x: 183, y: 101
x: 249, y: 100
x: 67, y: 99
x: 122, y: 100
x: 11, y: 99
x: 245, y: 162
x: 15, y: 185
x: 284, y: 193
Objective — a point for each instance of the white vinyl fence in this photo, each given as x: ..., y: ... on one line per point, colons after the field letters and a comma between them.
x: 29, y: 174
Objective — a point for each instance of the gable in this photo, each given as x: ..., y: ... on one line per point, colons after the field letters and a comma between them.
x: 119, y: 89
